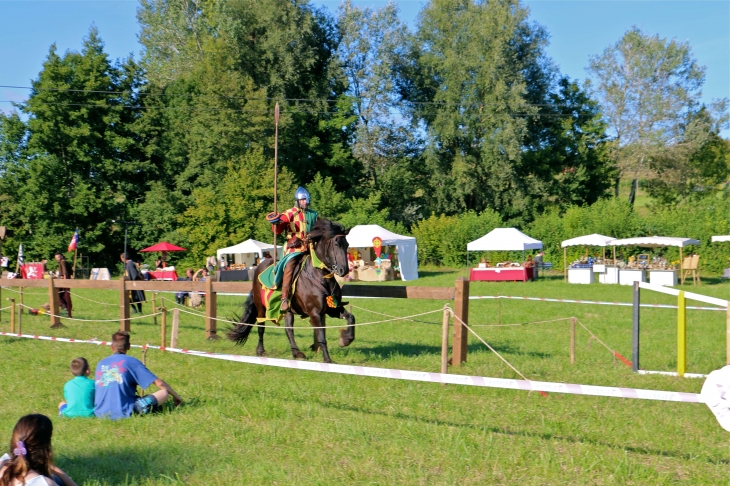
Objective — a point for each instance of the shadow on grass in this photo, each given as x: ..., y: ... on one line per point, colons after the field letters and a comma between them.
x: 128, y: 465
x: 385, y: 351
x: 512, y: 432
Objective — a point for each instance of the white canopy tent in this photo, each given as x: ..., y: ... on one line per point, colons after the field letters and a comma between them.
x: 361, y: 236
x: 244, y: 251
x: 717, y: 239
x: 656, y: 242
x: 503, y: 239
x: 588, y: 240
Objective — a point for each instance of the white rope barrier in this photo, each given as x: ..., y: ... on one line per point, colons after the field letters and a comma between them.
x: 596, y: 302
x: 93, y: 320
x: 481, y: 381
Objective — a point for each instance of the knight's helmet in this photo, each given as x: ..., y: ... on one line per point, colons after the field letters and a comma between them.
x: 301, y: 194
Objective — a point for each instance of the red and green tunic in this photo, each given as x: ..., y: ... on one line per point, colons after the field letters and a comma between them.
x: 297, y: 223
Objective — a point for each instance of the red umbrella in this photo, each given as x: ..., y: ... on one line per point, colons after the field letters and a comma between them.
x: 164, y: 246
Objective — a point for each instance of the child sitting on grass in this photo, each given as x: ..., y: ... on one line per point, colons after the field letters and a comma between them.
x: 78, y: 392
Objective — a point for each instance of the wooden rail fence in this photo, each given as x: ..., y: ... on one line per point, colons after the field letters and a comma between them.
x: 459, y: 294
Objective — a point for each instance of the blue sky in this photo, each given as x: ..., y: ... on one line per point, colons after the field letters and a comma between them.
x: 577, y: 28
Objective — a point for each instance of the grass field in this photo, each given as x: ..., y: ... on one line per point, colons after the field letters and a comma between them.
x: 246, y: 424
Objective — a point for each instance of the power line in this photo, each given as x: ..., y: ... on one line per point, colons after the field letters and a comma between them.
x: 296, y: 100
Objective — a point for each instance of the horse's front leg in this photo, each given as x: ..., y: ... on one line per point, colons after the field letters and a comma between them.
x: 260, y: 351
x: 347, y: 336
x: 318, y: 322
x: 289, y: 327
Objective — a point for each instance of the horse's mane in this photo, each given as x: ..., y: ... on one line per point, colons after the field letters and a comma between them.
x: 325, y: 229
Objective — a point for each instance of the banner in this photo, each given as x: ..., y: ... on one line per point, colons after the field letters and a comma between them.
x: 74, y: 241
x: 377, y: 246
x: 32, y: 271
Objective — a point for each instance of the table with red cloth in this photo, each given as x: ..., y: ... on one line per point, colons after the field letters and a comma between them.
x: 494, y: 274
x: 163, y: 275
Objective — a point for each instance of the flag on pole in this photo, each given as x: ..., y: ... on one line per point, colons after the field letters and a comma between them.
x: 74, y: 241
x: 21, y: 258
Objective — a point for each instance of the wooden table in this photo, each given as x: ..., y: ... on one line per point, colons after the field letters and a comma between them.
x: 494, y: 274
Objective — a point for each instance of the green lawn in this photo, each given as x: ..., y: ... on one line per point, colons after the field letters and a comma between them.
x: 246, y: 424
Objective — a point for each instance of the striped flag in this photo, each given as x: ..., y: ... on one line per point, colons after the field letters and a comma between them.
x: 74, y: 241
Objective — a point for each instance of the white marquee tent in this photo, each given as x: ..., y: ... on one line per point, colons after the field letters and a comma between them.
x: 504, y: 239
x: 361, y: 236
x: 589, y: 240
x: 656, y: 242
x: 716, y: 239
x: 243, y: 252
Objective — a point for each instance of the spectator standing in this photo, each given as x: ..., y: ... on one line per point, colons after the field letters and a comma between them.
x: 538, y: 262
x: 117, y: 378
x: 78, y: 393
x: 133, y: 273
x: 31, y: 462
x: 64, y: 273
x: 210, y: 263
x: 181, y: 296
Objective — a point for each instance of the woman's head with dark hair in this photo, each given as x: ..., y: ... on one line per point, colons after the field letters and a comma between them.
x: 30, y: 447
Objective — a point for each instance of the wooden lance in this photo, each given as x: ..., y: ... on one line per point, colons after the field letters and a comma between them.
x: 276, y: 166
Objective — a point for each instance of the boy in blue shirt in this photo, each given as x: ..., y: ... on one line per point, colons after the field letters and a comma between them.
x: 78, y: 392
x: 116, y: 382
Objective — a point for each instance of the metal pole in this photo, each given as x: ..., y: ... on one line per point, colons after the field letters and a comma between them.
x: 681, y: 334
x: 635, y: 333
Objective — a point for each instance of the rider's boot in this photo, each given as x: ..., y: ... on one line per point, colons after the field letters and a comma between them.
x: 286, y: 287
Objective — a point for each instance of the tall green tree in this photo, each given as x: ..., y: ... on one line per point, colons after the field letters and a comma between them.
x: 86, y: 159
x: 650, y: 89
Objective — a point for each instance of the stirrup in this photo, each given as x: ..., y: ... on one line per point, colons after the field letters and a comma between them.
x: 284, y: 305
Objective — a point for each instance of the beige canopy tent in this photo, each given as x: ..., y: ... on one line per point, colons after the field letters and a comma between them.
x: 658, y: 242
x: 588, y: 240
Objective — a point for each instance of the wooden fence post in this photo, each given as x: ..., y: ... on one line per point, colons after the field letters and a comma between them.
x: 53, y: 301
x: 154, y: 308
x: 461, y: 314
x: 445, y: 340
x: 175, y: 325
x: 20, y: 308
x: 12, y: 316
x: 210, y: 310
x: 124, y: 324
x: 572, y: 340
x: 163, y: 328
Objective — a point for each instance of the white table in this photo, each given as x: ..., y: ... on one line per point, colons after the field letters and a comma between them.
x: 627, y: 276
x: 667, y: 278
x: 581, y: 276
x: 609, y: 275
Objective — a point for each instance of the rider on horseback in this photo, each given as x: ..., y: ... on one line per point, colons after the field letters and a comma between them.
x: 296, y: 223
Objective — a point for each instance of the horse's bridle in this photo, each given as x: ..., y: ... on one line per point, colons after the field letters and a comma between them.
x: 334, y: 267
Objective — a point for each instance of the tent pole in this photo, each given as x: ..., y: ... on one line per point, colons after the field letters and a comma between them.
x: 565, y: 263
x: 615, y: 270
x: 681, y: 274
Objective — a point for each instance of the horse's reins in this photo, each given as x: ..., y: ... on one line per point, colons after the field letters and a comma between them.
x: 334, y: 267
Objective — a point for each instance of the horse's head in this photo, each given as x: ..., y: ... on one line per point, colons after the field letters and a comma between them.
x: 330, y: 244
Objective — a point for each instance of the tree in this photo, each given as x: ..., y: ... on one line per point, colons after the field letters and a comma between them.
x: 650, y: 90
x: 480, y: 83
x: 86, y: 160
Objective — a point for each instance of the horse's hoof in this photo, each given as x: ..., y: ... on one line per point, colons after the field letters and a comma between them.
x: 260, y: 352
x: 299, y: 355
x: 328, y: 361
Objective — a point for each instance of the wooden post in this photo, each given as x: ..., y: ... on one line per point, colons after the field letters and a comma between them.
x: 124, y: 324
x: 572, y: 340
x: 12, y: 316
x: 20, y: 308
x: 154, y: 308
x: 461, y: 311
x: 681, y: 334
x: 445, y: 340
x: 163, y: 328
x: 727, y: 334
x: 53, y: 301
x: 175, y: 325
x: 636, y: 328
x: 210, y: 306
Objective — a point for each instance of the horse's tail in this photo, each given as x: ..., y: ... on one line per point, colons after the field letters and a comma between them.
x: 239, y: 333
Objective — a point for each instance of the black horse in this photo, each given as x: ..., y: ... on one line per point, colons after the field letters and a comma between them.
x: 310, y: 296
